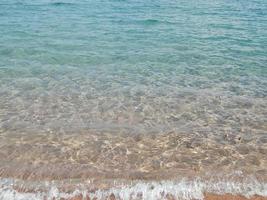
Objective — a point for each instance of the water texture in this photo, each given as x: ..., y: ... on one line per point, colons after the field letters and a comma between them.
x: 132, y: 89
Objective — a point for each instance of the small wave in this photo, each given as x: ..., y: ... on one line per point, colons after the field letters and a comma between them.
x: 153, y: 22
x: 150, y: 21
x: 61, y: 4
x: 180, y: 189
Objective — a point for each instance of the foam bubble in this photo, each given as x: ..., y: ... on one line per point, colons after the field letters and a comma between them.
x: 183, y: 189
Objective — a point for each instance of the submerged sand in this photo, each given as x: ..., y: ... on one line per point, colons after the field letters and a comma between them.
x: 96, y: 155
x: 190, y: 167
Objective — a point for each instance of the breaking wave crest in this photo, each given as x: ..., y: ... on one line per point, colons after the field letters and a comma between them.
x: 183, y: 189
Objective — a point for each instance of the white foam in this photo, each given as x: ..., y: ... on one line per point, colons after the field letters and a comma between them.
x: 180, y: 189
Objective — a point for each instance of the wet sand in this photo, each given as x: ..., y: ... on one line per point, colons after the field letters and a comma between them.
x: 207, y: 197
x: 232, y: 197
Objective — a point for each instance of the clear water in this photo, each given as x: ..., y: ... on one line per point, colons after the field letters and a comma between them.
x: 132, y: 89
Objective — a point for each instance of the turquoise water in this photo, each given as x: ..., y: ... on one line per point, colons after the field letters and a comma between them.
x: 115, y: 59
x: 118, y: 72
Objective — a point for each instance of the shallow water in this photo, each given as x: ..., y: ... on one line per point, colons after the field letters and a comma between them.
x: 132, y: 89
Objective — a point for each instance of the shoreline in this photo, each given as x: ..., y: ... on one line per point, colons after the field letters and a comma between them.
x: 232, y: 197
x: 80, y: 196
x: 112, y: 189
x: 206, y: 197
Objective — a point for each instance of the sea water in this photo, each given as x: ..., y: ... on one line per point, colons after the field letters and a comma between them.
x: 132, y: 89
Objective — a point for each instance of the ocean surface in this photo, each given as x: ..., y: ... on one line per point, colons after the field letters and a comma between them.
x: 133, y: 90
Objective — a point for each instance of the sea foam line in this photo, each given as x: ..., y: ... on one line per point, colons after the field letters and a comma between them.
x: 183, y: 189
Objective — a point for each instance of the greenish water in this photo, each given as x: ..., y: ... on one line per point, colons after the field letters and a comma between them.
x: 97, y: 61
